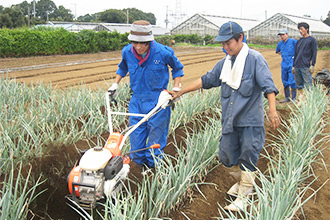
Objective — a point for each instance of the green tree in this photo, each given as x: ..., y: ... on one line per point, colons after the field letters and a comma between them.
x: 62, y: 14
x: 5, y: 21
x: 120, y: 16
x: 45, y: 9
x: 18, y: 15
x: 112, y: 16
x: 327, y: 21
x: 136, y: 14
x: 12, y: 17
x: 25, y: 7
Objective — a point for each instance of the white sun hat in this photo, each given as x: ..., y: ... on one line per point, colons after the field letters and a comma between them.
x: 141, y: 31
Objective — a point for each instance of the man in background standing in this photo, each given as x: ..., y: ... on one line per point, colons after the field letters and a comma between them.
x: 304, y: 57
x: 286, y: 49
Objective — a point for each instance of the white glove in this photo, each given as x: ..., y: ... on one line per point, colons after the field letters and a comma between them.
x: 177, y: 89
x: 113, y: 89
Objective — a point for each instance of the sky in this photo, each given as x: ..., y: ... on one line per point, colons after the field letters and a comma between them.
x: 180, y: 10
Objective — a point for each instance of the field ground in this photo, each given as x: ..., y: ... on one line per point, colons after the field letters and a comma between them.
x: 96, y: 71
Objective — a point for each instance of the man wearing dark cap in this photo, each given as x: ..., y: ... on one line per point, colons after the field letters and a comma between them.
x: 286, y: 48
x: 147, y: 63
x: 244, y: 78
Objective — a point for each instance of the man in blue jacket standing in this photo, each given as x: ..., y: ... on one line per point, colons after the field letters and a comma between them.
x: 147, y: 63
x: 304, y: 57
x: 286, y: 49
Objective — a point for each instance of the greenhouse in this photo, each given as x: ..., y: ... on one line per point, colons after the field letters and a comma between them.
x: 202, y: 24
x: 270, y: 27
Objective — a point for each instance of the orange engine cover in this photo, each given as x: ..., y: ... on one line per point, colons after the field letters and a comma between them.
x: 113, y: 143
x: 74, y: 176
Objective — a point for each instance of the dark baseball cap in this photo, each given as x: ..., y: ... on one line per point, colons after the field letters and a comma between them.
x: 227, y: 31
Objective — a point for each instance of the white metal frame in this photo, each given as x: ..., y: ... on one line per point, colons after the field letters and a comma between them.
x: 163, y: 102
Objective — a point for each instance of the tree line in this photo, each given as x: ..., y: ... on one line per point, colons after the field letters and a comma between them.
x: 28, y: 14
x: 43, y: 41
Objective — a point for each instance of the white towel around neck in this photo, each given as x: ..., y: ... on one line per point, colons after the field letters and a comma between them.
x: 233, y: 76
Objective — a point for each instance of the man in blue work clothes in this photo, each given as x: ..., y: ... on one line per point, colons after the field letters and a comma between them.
x: 147, y: 63
x: 304, y: 57
x: 286, y: 48
x: 244, y: 77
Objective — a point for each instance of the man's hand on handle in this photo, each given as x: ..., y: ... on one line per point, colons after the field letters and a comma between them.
x: 176, y: 90
x: 113, y: 89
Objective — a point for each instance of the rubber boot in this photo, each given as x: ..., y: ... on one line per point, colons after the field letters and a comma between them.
x: 293, y: 94
x: 244, y: 191
x: 234, y: 171
x: 287, y: 95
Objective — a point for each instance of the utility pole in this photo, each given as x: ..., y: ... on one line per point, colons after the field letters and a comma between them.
x: 34, y: 8
x: 166, y: 20
x: 28, y: 16
x: 127, y: 16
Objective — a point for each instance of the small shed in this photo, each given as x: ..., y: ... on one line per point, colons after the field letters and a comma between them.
x: 202, y: 24
x: 270, y: 27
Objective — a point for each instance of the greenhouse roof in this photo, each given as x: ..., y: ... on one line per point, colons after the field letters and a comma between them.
x: 314, y: 24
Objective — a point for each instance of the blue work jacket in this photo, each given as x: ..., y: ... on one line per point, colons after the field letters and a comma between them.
x: 287, y: 51
x: 150, y: 76
x: 243, y: 107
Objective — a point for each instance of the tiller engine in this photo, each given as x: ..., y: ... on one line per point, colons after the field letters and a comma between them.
x: 101, y: 171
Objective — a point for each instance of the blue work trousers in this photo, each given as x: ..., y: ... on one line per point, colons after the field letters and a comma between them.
x: 242, y: 147
x: 303, y: 77
x: 153, y: 131
x: 287, y: 76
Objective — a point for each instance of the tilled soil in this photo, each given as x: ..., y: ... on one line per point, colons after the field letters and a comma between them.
x: 96, y: 71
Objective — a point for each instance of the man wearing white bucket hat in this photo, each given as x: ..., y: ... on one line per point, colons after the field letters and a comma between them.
x: 147, y: 63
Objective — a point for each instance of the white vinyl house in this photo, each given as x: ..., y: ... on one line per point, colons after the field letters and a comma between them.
x: 202, y: 25
x: 270, y: 27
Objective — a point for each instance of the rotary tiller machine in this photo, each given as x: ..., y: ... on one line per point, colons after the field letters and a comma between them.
x: 101, y: 171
